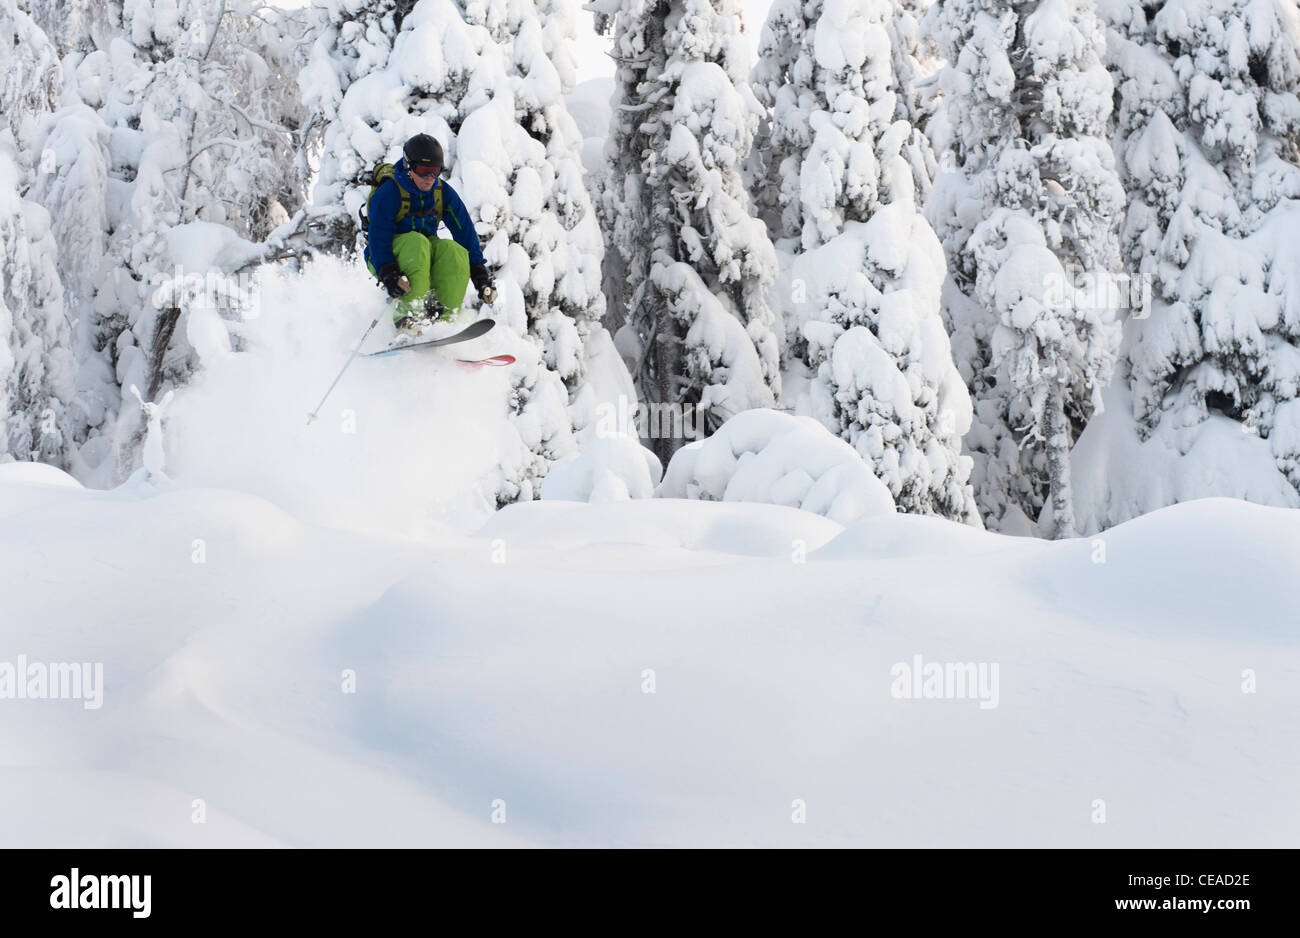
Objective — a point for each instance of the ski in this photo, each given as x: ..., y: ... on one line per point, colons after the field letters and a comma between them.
x: 472, y: 331
x: 496, y: 361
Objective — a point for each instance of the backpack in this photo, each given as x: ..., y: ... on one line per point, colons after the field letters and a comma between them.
x: 380, y: 175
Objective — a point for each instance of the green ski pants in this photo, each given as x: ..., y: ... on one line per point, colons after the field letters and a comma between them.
x: 439, y: 264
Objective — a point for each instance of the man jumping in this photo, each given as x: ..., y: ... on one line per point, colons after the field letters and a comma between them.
x: 402, y: 243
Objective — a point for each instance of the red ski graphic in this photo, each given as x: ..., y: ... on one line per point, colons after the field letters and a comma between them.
x: 495, y: 361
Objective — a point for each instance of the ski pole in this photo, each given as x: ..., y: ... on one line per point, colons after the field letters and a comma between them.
x: 312, y: 416
x: 405, y: 285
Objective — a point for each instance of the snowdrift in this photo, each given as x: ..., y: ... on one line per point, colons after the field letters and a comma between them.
x: 658, y: 672
x: 768, y: 457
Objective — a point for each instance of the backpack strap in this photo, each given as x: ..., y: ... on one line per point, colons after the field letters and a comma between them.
x: 435, y: 211
x: 384, y: 173
x: 405, y: 208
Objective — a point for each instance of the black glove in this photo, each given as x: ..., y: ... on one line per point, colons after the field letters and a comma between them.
x: 482, y: 281
x: 389, y: 275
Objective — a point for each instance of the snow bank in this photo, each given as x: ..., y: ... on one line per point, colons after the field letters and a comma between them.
x: 652, y: 673
x: 1118, y: 476
x: 654, y: 530
x: 36, y: 472
x: 773, y: 458
x: 607, y: 469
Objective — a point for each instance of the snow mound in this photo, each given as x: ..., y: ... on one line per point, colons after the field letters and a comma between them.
x: 607, y: 469
x: 1118, y: 476
x: 36, y: 473
x: 903, y: 535
x: 741, y: 530
x: 1193, y: 560
x: 773, y: 458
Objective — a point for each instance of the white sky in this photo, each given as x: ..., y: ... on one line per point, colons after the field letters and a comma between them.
x: 594, y: 63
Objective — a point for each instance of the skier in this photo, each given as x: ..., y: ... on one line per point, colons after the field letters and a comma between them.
x: 428, y: 275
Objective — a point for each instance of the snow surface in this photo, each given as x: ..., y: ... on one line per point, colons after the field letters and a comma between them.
x: 509, y: 667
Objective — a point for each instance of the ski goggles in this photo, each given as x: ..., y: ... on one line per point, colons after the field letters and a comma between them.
x: 426, y: 172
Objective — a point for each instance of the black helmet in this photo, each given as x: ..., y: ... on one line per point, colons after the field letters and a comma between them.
x: 423, y: 150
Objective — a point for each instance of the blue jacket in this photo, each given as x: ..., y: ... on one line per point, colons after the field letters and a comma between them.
x: 384, y: 226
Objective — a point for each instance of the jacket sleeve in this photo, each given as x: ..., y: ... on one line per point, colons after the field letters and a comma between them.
x: 383, y: 224
x: 456, y: 217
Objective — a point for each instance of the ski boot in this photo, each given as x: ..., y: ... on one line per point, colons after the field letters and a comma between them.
x: 409, y: 327
x: 434, y: 311
x: 437, y: 321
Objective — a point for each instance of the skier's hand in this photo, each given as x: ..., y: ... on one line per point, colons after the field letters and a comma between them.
x: 482, y: 282
x: 390, y: 275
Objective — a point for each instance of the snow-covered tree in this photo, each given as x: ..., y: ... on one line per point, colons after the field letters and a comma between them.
x: 1208, y: 139
x: 636, y: 36
x: 867, y: 324
x: 914, y: 62
x: 170, y: 118
x: 35, y: 360
x: 849, y: 59
x: 75, y: 25
x: 29, y: 73
x: 782, y: 81
x: 550, y: 213
x: 884, y: 378
x: 575, y: 340
x: 697, y: 261
x: 494, y: 153
x: 351, y: 50
x: 1032, y: 199
x: 915, y: 65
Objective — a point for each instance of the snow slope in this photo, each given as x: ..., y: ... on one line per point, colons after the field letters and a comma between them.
x: 506, y: 670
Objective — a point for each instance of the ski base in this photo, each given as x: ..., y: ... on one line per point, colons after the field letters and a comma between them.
x: 472, y: 331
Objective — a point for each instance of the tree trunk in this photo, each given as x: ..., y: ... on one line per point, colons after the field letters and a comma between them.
x: 162, y: 338
x: 1057, y: 432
